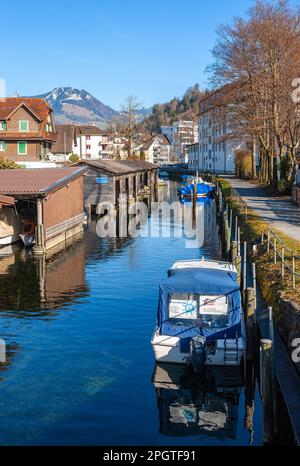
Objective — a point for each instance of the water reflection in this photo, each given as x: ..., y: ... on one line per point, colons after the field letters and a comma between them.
x: 189, y: 405
x: 45, y: 283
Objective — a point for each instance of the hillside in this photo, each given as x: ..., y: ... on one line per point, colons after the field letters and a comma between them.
x: 186, y: 107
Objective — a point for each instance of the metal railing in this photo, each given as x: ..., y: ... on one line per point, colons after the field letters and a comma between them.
x: 282, y: 253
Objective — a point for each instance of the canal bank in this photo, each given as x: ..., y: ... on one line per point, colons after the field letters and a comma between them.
x: 81, y: 368
x: 245, y: 244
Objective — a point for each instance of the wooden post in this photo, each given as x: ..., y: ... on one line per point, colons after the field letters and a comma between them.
x: 250, y: 323
x: 282, y: 261
x: 254, y: 283
x: 267, y: 391
x: 228, y: 241
x: 236, y: 228
x: 275, y: 250
x: 244, y: 270
x: 238, y: 264
x: 233, y: 252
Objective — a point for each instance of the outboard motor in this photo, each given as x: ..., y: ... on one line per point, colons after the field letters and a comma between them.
x: 198, y: 353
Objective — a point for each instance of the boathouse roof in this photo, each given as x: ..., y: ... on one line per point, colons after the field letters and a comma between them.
x: 119, y: 167
x: 38, y: 181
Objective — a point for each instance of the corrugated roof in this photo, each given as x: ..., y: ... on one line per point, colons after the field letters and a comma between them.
x: 119, y: 167
x: 38, y: 181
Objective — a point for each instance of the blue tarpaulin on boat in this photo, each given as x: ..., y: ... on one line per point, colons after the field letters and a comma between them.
x: 202, y: 189
x: 203, y: 282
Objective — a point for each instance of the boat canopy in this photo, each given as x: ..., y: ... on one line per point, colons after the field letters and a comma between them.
x: 202, y: 282
x: 202, y: 189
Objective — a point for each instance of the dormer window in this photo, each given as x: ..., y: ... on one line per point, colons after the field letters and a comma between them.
x: 23, y: 126
x: 2, y: 125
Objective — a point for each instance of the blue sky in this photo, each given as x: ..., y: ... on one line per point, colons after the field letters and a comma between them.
x: 112, y: 48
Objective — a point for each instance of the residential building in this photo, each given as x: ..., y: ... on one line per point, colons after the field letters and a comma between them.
x: 65, y: 143
x: 216, y: 146
x: 157, y: 149
x: 87, y: 142
x: 91, y: 142
x: 181, y: 134
x: 27, y: 130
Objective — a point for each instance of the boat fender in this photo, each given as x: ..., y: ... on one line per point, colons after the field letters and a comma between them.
x: 198, y: 353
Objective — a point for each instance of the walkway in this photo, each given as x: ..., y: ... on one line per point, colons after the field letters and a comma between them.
x: 280, y: 212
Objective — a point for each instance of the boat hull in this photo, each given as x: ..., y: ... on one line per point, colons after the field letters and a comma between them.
x: 9, y: 240
x: 167, y: 350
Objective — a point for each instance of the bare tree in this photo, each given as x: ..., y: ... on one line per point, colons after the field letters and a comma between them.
x: 129, y: 121
x: 258, y: 59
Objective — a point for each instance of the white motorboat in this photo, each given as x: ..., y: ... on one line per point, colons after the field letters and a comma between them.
x: 200, y: 317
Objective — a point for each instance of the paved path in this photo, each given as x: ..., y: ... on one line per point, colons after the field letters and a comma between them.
x: 280, y: 212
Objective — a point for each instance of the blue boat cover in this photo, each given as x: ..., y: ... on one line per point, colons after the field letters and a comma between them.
x: 202, y: 282
x: 202, y: 188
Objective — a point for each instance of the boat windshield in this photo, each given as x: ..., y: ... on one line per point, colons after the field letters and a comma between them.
x: 198, y: 310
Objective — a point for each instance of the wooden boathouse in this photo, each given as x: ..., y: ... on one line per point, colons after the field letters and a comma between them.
x: 52, y: 199
x: 107, y: 180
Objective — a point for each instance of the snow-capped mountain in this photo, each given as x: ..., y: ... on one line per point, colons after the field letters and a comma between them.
x: 78, y: 106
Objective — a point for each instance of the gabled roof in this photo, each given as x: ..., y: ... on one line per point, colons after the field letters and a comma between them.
x: 38, y: 181
x: 90, y: 130
x: 38, y: 107
x: 66, y: 136
x: 119, y: 167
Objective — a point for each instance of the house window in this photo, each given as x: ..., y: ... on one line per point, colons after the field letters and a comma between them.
x: 22, y: 148
x: 88, y: 138
x: 2, y: 125
x: 2, y: 146
x: 88, y: 147
x: 23, y: 125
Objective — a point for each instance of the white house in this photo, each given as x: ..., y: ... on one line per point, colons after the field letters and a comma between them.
x: 157, y: 149
x: 87, y: 142
x: 181, y: 134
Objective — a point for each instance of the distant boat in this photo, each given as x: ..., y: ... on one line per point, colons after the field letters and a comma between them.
x: 163, y: 174
x: 202, y: 190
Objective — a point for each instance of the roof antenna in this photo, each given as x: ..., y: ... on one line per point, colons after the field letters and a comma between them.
x: 17, y: 94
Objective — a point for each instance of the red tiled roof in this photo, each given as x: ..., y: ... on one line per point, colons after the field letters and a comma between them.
x: 38, y: 107
x: 39, y: 181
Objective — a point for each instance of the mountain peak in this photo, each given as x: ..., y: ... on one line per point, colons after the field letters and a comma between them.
x: 77, y: 106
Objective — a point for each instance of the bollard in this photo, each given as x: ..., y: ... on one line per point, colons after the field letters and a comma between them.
x: 268, y: 241
x: 282, y: 261
x: 293, y: 271
x: 267, y: 389
x: 275, y: 251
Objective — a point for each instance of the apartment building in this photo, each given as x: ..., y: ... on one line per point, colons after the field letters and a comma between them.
x: 216, y: 148
x: 181, y: 134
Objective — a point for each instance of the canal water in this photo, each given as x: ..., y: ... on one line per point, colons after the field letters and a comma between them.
x: 80, y: 368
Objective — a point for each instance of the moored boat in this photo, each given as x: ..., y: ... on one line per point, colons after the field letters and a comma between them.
x: 200, y: 318
x: 9, y: 222
x: 202, y: 189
